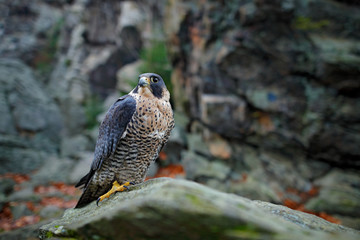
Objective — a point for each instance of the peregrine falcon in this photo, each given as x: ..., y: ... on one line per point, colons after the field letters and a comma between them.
x: 133, y: 132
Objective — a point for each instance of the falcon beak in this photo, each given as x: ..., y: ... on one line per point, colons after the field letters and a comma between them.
x: 144, y: 82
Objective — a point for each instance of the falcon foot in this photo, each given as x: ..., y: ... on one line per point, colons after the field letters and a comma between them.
x: 115, y: 188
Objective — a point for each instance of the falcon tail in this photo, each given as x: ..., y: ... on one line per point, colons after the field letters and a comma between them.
x: 86, y: 198
x: 89, y: 194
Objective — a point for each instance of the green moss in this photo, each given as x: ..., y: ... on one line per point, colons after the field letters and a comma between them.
x: 246, y: 231
x: 306, y: 23
x: 156, y: 60
x: 194, y: 199
x: 93, y: 107
x: 49, y: 234
x: 68, y: 62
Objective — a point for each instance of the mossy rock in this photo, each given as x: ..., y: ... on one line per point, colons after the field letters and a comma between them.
x: 165, y: 208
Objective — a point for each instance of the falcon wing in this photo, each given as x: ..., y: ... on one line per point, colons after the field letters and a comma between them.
x: 112, y: 128
x: 110, y: 132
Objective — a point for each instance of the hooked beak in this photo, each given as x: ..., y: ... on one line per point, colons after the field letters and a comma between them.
x: 144, y: 82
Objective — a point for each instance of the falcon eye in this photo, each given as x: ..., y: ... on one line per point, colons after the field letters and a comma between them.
x: 154, y: 79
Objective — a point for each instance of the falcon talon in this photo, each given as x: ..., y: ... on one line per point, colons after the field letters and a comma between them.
x: 137, y: 126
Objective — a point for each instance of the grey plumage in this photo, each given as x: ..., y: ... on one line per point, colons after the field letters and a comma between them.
x: 131, y: 136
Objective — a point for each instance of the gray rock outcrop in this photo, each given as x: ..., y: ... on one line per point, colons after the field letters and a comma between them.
x: 165, y: 208
x: 30, y: 123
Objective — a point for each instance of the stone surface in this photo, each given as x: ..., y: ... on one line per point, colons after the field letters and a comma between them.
x: 197, y: 167
x: 180, y: 209
x: 20, y: 210
x: 6, y: 185
x: 270, y: 81
x: 54, y: 170
x: 25, y: 194
x: 81, y: 168
x: 127, y: 76
x: 51, y: 212
x: 339, y: 194
x: 74, y: 146
x: 30, y: 232
x: 32, y: 113
x: 279, y: 78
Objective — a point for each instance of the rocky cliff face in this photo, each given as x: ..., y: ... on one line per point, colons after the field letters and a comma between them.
x: 277, y: 76
x: 270, y: 89
x: 265, y: 92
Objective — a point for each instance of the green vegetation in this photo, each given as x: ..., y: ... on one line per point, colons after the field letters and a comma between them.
x: 305, y: 23
x: 93, y: 107
x: 156, y: 60
x: 247, y: 231
x: 44, y: 59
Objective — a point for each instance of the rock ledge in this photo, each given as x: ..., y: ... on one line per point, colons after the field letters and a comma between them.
x: 165, y: 208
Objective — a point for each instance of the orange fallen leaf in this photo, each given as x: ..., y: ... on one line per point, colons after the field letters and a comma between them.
x: 57, y: 187
x: 45, y: 189
x: 244, y: 177
x: 26, y: 220
x: 32, y: 207
x: 172, y: 171
x: 329, y: 218
x: 290, y: 203
x: 66, y: 189
x: 59, y: 202
x: 313, y: 191
x: 162, y: 156
x: 17, y: 177
x: 299, y: 206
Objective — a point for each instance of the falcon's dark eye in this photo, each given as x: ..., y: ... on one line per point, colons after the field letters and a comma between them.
x: 154, y: 79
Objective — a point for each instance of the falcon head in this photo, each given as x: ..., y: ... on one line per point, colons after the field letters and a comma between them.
x: 151, y: 84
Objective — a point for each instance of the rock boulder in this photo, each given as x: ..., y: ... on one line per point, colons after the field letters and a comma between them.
x: 164, y: 208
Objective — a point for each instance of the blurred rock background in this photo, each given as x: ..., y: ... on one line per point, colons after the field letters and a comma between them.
x: 266, y: 97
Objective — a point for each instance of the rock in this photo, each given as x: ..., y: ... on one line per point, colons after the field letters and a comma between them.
x: 102, y: 20
x: 196, y: 167
x: 180, y: 209
x: 225, y: 113
x: 338, y: 63
x: 178, y: 133
x: 277, y: 76
x: 33, y: 114
x: 339, y: 194
x: 252, y: 185
x: 131, y: 15
x: 74, y: 146
x: 276, y: 165
x: 197, y: 145
x: 81, y: 168
x: 51, y: 212
x: 127, y: 76
x: 32, y: 109
x: 6, y: 185
x: 47, y: 18
x: 6, y: 121
x: 26, y: 28
x: 25, y: 194
x: 29, y: 232
x: 220, y: 148
x: 153, y: 169
x: 54, y: 170
x: 20, y: 210
x: 20, y: 160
